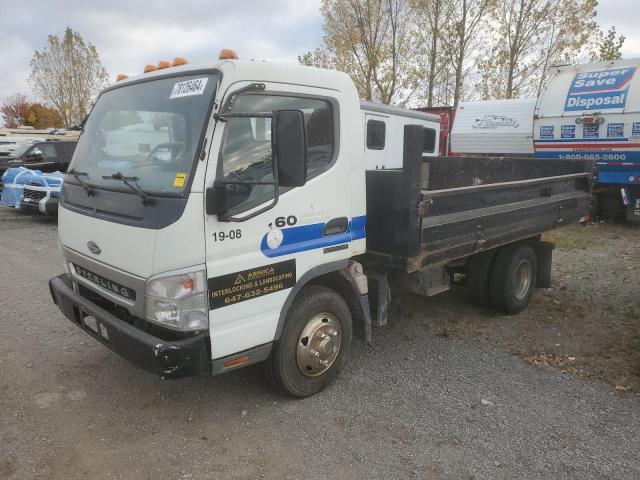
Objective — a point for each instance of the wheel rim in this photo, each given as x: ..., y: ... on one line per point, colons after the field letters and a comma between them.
x: 524, y: 273
x: 319, y: 344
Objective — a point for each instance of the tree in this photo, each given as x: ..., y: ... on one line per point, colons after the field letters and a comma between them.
x: 372, y: 41
x: 15, y: 110
x: 607, y: 46
x: 430, y: 18
x: 42, y: 116
x: 68, y: 74
x: 527, y: 37
x: 460, y: 38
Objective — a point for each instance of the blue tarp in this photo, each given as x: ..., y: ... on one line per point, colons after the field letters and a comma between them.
x: 14, y: 180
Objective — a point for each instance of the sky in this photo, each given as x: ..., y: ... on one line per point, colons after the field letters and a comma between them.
x: 131, y: 33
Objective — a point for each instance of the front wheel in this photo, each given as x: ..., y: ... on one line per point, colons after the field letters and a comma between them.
x: 314, y: 343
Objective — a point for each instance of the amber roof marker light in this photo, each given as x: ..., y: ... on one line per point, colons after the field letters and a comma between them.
x: 121, y: 76
x: 226, y: 54
x: 149, y: 68
x: 163, y: 64
x: 179, y: 61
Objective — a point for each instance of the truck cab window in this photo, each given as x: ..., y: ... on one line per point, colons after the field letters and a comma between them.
x: 246, y: 152
x: 429, y: 140
x: 375, y: 134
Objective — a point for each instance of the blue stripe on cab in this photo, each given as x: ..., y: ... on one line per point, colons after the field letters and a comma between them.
x: 309, y: 237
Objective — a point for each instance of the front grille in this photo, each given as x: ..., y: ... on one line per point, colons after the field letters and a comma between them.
x: 35, y: 195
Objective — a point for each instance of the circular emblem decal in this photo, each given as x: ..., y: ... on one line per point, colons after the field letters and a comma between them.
x: 274, y: 238
x: 93, y: 248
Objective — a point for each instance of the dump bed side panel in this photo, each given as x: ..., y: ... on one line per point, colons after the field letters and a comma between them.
x: 478, y: 204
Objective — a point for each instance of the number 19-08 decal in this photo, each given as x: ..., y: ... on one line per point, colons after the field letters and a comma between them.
x: 230, y: 235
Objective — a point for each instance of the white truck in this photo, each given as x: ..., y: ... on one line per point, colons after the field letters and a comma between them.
x: 592, y: 112
x: 237, y: 212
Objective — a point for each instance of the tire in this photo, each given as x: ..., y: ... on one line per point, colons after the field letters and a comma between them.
x: 513, y: 278
x: 292, y: 367
x: 479, y: 276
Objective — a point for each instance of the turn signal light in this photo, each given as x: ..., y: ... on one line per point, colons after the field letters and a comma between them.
x: 163, y: 64
x: 149, y: 68
x: 121, y: 76
x: 226, y: 54
x: 179, y: 61
x: 237, y: 361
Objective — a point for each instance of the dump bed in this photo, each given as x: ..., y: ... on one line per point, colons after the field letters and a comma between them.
x: 436, y: 210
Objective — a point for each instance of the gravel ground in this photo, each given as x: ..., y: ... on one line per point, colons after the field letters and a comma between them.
x: 420, y: 403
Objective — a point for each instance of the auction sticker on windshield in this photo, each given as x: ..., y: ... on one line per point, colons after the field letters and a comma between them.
x: 188, y: 87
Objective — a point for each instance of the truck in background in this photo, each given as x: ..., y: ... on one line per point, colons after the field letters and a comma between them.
x: 592, y: 112
x: 270, y: 213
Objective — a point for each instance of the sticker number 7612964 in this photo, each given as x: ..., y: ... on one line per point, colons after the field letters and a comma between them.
x: 189, y: 87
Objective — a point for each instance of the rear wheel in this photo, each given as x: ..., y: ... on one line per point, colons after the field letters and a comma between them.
x: 513, y: 278
x: 478, y: 277
x: 314, y: 343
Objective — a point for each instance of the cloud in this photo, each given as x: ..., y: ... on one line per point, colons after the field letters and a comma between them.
x: 130, y: 34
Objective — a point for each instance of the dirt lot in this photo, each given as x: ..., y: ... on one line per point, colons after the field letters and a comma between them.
x: 588, y: 324
x: 440, y: 394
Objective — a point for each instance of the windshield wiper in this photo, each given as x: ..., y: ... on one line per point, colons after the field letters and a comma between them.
x: 146, y: 199
x: 76, y: 174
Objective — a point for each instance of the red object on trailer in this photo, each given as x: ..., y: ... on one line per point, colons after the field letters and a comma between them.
x: 446, y: 124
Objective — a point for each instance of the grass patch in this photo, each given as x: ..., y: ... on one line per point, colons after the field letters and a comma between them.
x: 573, y: 237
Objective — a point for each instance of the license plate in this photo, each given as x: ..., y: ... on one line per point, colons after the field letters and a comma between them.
x: 105, y: 283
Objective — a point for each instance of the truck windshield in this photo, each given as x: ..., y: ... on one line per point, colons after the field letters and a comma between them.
x: 148, y: 131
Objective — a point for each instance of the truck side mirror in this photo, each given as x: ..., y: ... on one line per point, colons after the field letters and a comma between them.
x: 290, y: 148
x: 216, y: 199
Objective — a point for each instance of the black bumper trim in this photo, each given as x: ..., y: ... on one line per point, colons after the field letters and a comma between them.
x: 169, y: 359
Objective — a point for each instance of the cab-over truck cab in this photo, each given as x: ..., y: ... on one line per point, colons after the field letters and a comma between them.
x: 184, y: 247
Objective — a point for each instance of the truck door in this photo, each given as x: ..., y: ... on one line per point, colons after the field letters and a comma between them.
x: 252, y: 265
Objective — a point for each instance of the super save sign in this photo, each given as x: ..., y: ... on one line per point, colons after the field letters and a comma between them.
x: 599, y: 90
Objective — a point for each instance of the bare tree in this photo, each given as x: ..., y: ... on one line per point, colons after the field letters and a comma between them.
x: 430, y: 19
x: 528, y: 36
x: 372, y: 41
x: 460, y: 38
x: 68, y: 74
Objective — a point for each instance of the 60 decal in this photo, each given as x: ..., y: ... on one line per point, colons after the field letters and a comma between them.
x: 289, y: 221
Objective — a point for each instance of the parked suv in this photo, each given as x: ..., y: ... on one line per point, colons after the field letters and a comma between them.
x: 47, y: 156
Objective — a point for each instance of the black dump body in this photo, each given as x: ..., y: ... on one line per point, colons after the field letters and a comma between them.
x: 440, y: 209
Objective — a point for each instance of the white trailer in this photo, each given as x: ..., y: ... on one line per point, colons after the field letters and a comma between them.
x: 494, y: 127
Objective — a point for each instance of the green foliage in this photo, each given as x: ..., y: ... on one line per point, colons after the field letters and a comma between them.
x: 608, y: 47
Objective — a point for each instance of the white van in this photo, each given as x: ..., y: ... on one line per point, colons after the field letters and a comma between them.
x: 592, y: 112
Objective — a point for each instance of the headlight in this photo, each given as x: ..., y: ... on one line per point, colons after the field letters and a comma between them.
x: 178, y: 301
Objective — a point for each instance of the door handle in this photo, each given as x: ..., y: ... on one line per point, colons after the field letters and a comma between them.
x: 335, y: 226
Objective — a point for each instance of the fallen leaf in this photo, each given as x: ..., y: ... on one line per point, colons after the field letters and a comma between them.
x: 623, y: 388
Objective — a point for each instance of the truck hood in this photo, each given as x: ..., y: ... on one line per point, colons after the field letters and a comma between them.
x: 142, y: 252
x: 122, y: 247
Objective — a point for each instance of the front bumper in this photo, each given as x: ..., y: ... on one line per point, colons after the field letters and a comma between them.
x: 169, y: 359
x: 47, y: 205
